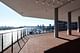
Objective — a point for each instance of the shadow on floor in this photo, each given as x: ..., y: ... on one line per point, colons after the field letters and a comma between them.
x: 76, y: 35
x: 69, y: 47
x: 64, y: 39
x: 17, y: 46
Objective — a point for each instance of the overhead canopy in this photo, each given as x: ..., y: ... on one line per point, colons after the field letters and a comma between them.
x: 29, y: 8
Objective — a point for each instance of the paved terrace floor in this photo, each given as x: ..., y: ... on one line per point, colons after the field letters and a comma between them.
x: 46, y: 43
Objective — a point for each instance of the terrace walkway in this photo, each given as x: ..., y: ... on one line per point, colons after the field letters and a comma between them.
x: 46, y: 43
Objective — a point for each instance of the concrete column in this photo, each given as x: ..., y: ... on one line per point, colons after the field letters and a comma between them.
x: 78, y: 24
x: 56, y: 22
x: 69, y: 24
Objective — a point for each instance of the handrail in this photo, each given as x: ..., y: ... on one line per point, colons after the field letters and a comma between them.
x: 8, y: 31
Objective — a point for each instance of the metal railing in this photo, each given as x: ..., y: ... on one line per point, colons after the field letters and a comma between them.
x: 8, y: 38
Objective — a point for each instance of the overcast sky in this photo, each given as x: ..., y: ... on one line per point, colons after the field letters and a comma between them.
x: 9, y: 17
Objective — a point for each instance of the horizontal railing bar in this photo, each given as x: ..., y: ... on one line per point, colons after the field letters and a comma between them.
x: 14, y: 30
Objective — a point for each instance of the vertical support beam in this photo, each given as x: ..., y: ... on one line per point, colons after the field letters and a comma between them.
x: 56, y: 22
x: 69, y: 24
x: 78, y: 24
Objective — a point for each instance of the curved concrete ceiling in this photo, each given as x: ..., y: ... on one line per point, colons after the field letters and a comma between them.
x: 29, y: 8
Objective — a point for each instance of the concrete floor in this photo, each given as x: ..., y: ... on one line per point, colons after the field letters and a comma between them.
x: 47, y: 41
x: 44, y: 42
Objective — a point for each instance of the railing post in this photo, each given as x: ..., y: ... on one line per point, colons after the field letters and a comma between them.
x: 17, y: 35
x: 12, y: 43
x: 27, y: 32
x: 2, y: 43
x: 21, y: 34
